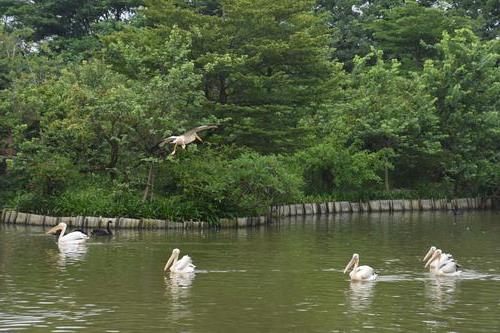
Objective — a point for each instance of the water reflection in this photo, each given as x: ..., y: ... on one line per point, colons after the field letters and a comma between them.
x: 178, y: 284
x: 71, y: 253
x: 441, y: 291
x: 118, y: 285
x: 178, y: 287
x: 360, y: 294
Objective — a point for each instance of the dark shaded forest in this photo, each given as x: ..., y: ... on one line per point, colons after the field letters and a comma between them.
x: 313, y: 100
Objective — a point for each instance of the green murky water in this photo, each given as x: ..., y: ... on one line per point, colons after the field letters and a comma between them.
x: 283, y: 277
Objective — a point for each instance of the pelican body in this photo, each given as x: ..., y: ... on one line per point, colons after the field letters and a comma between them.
x: 184, y: 265
x: 72, y: 237
x: 359, y: 273
x: 443, y: 266
x: 185, y: 138
x: 436, y: 263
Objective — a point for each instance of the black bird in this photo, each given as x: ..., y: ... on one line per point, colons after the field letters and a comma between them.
x: 101, y: 232
x: 456, y: 210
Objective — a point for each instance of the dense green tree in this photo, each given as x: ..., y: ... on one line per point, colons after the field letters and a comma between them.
x: 70, y: 27
x: 349, y: 19
x: 104, y: 119
x: 249, y: 183
x: 71, y: 117
x: 67, y: 18
x: 89, y: 89
x: 400, y: 33
x: 464, y: 82
x: 158, y: 60
x: 486, y: 13
x: 329, y: 167
x: 263, y: 63
x: 286, y: 71
x: 387, y: 112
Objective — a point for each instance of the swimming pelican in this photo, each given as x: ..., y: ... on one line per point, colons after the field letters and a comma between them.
x: 185, y: 265
x: 443, y: 258
x: 101, y: 232
x: 185, y: 138
x: 361, y: 273
x: 446, y: 267
x: 72, y: 237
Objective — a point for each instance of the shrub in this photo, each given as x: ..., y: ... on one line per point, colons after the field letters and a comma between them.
x: 245, y: 185
x: 328, y: 168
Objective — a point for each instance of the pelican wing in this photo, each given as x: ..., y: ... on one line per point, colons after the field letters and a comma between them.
x: 449, y: 267
x: 167, y: 140
x: 444, y: 261
x: 448, y: 256
x: 185, y: 264
x: 74, y: 236
x: 365, y: 273
x: 199, y: 129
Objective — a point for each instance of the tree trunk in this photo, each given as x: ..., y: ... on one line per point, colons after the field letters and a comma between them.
x: 222, y: 91
x: 152, y: 188
x: 3, y: 165
x: 386, y: 178
x: 148, y: 191
x: 9, y: 150
x: 113, y: 159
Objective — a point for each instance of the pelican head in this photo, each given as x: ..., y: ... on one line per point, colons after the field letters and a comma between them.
x: 354, y: 262
x: 173, y: 258
x: 60, y: 227
x: 432, y: 249
x: 436, y: 255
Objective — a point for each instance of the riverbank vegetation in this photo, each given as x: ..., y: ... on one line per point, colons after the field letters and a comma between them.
x: 313, y: 99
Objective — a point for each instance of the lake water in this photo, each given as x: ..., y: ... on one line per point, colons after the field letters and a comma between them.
x: 286, y: 277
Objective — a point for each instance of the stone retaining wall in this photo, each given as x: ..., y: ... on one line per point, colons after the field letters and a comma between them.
x: 337, y: 207
x: 91, y: 222
x: 341, y: 207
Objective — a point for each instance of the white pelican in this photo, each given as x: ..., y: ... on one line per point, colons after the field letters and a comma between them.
x: 185, y: 138
x: 446, y: 267
x: 443, y: 258
x: 72, y: 237
x: 361, y: 273
x: 185, y: 265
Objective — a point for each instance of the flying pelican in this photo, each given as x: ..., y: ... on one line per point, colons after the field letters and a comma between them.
x: 72, y: 237
x: 446, y: 267
x: 185, y: 138
x: 361, y: 273
x: 443, y: 258
x: 185, y: 265
x: 101, y: 232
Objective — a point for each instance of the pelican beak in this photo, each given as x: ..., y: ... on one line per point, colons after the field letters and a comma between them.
x: 169, y: 262
x: 349, y: 265
x: 431, y: 251
x: 434, y: 257
x: 54, y: 230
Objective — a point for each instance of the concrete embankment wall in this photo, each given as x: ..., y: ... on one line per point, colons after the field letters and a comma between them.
x: 91, y: 222
x: 333, y: 207
x: 343, y: 207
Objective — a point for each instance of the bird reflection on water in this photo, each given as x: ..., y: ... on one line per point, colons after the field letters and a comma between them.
x: 71, y: 253
x: 360, y: 294
x: 441, y: 291
x: 178, y: 289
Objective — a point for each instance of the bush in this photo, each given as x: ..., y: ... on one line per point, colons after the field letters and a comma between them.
x: 29, y: 202
x: 245, y: 185
x: 256, y: 182
x: 331, y: 169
